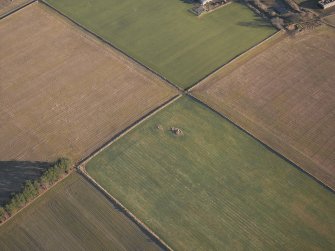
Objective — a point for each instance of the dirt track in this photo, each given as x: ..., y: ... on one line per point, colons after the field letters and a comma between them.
x: 62, y: 93
x: 285, y: 97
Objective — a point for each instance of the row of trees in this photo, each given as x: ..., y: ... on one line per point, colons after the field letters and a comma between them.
x: 32, y: 189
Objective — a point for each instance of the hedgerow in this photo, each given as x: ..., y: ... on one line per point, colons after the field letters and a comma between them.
x: 31, y: 189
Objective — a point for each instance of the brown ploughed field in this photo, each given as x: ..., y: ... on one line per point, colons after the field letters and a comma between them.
x: 62, y: 92
x: 285, y: 96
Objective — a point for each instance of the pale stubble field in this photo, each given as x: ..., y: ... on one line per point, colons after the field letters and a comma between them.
x: 63, y: 92
x: 285, y: 97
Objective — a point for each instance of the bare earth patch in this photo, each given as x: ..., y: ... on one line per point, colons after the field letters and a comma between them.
x: 62, y: 92
x: 285, y: 96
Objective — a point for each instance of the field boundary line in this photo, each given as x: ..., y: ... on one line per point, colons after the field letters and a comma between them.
x: 17, y: 9
x: 100, y: 149
x: 162, y: 244
x: 83, y: 28
x: 80, y: 166
x: 327, y: 23
x: 129, y: 128
x: 236, y: 58
x: 282, y: 156
x: 37, y: 197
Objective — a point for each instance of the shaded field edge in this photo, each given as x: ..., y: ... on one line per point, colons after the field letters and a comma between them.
x: 242, y: 58
x: 37, y: 197
x: 80, y: 169
x: 324, y: 183
x: 101, y: 39
x: 17, y: 9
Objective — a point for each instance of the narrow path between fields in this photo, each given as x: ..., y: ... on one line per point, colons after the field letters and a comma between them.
x: 81, y: 164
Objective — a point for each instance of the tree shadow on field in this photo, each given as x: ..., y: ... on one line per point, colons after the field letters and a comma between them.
x: 13, y: 174
x: 256, y: 23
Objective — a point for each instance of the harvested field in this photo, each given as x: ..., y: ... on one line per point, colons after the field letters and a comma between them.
x: 7, y: 6
x: 73, y: 216
x: 285, y: 96
x: 166, y: 37
x: 213, y: 187
x: 63, y: 93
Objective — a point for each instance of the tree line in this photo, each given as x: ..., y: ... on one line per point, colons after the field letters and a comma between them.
x: 31, y: 189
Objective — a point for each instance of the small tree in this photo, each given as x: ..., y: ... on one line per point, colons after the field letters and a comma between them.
x: 29, y: 191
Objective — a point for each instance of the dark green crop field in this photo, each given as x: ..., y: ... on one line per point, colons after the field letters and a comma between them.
x: 213, y: 187
x: 165, y: 36
x: 72, y: 216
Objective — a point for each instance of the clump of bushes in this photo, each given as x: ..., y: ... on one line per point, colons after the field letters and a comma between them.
x: 31, y: 189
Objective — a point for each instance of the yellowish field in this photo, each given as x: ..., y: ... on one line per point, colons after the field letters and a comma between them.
x: 73, y: 216
x: 62, y: 92
x: 8, y: 5
x: 285, y: 96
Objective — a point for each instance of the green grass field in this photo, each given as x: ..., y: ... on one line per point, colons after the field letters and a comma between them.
x: 166, y: 37
x: 214, y: 187
x: 72, y: 216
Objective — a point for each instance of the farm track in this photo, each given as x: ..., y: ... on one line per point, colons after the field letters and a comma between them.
x: 82, y: 162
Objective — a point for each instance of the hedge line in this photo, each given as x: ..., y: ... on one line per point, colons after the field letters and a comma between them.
x: 31, y: 189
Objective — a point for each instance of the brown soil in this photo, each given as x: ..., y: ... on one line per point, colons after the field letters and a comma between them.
x: 62, y: 92
x: 285, y: 96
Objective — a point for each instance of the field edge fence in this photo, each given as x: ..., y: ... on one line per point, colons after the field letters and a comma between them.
x: 79, y: 164
x: 118, y: 205
x: 202, y: 81
x: 129, y: 128
x: 105, y: 41
x: 81, y: 169
x: 324, y: 184
x: 18, y: 8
